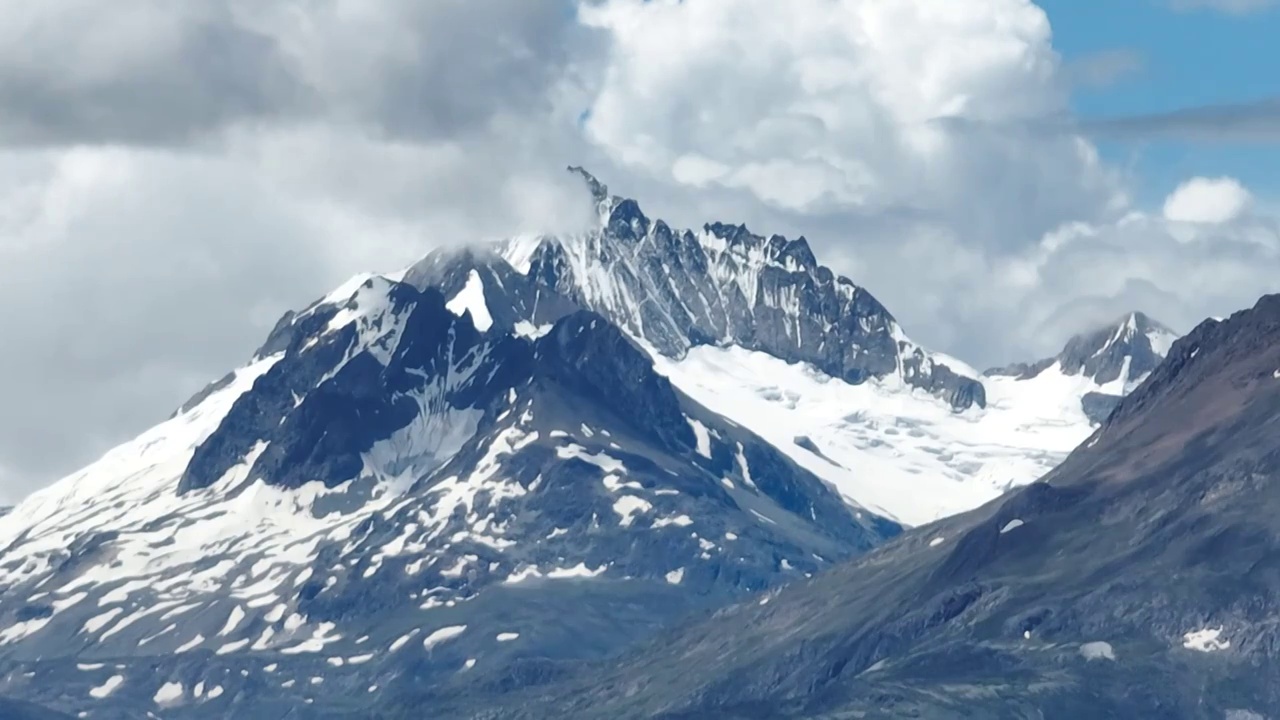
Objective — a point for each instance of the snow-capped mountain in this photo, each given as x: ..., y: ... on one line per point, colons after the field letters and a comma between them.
x: 386, y: 497
x: 675, y: 290
x: 757, y: 330
x: 508, y: 458
x: 1105, y: 364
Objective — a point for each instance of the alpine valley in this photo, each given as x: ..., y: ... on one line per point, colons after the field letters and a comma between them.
x: 457, y: 490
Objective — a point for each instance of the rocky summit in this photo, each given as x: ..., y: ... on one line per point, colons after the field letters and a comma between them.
x: 721, y: 285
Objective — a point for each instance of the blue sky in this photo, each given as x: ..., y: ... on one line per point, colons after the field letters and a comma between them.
x: 1163, y: 59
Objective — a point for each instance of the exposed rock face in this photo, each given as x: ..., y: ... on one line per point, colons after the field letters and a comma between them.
x: 1129, y: 350
x: 677, y: 289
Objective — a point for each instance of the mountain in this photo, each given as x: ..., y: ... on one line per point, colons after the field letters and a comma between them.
x: 676, y: 290
x: 755, y: 329
x: 1138, y: 579
x: 470, y: 477
x: 387, y: 498
x: 1105, y: 364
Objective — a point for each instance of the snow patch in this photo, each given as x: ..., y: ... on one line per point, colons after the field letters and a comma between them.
x: 526, y: 329
x: 678, y: 521
x: 1205, y: 640
x: 107, y: 687
x: 1097, y: 651
x: 233, y: 621
x: 471, y: 298
x: 894, y: 450
x: 402, y: 640
x: 577, y: 571
x: 168, y: 693
x: 703, y: 437
x: 442, y: 635
x: 628, y: 506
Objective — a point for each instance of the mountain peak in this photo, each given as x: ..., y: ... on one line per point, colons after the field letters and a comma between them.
x: 724, y: 284
x: 599, y: 190
x: 1136, y: 322
x: 1110, y: 360
x: 1128, y: 349
x: 1131, y: 346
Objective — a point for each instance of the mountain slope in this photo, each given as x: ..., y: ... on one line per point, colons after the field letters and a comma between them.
x: 386, y: 497
x: 1135, y: 580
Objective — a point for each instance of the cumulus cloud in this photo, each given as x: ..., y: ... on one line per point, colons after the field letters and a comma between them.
x: 927, y: 150
x: 1085, y: 274
x: 156, y: 72
x: 1207, y: 200
x: 175, y: 175
x: 844, y: 106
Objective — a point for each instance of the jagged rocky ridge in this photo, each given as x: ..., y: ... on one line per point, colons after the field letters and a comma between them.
x: 876, y: 436
x: 387, y: 499
x: 1135, y: 580
x: 679, y: 289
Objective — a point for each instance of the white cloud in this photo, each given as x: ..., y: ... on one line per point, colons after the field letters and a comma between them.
x: 1086, y: 274
x: 832, y: 106
x: 159, y: 208
x: 1207, y: 200
x: 179, y: 174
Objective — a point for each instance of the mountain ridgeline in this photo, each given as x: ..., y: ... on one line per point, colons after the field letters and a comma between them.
x: 462, y: 489
x: 679, y: 289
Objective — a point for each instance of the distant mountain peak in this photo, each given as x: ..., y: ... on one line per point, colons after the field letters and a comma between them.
x: 1130, y: 346
x: 1112, y: 359
x: 1127, y: 349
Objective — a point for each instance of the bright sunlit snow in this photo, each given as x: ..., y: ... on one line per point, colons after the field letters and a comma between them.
x: 1205, y: 640
x: 1098, y: 651
x: 471, y: 298
x: 444, y: 634
x: 896, y: 451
